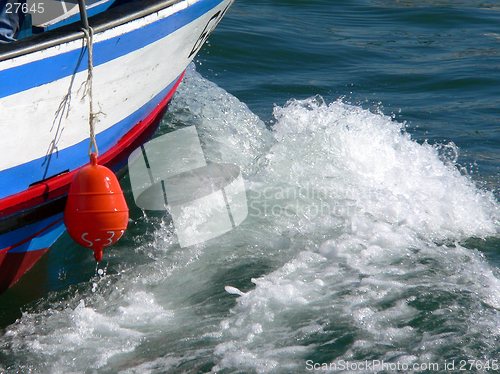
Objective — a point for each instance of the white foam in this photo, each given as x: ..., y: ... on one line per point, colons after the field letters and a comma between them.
x: 85, y: 337
x: 394, y: 202
x: 229, y: 131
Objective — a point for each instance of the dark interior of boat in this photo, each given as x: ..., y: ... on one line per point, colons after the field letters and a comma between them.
x: 122, y: 11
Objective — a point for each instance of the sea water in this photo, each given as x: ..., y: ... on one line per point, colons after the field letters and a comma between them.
x: 367, y: 134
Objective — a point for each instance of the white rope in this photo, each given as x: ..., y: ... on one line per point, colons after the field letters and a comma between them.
x: 89, y: 36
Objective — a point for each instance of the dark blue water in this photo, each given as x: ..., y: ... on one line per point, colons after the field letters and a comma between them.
x: 369, y: 137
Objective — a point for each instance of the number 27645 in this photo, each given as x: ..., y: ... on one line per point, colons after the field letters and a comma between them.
x: 24, y: 8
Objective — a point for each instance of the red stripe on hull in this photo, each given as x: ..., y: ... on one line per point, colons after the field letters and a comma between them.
x: 14, y: 265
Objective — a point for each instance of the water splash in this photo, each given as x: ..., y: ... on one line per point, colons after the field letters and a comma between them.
x: 390, y: 282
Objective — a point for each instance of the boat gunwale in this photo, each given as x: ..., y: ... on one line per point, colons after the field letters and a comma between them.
x: 100, y: 23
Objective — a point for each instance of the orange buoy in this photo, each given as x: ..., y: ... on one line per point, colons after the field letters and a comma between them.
x: 96, y: 213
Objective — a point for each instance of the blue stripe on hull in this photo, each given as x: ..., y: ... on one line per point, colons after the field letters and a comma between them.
x: 21, y: 78
x: 49, y: 231
x: 19, y: 178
